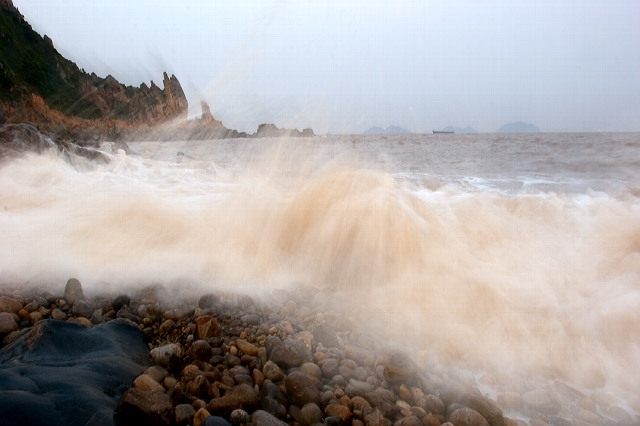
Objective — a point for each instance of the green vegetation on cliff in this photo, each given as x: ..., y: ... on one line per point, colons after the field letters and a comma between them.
x: 30, y: 65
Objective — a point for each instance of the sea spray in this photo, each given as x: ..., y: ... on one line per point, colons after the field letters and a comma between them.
x: 524, y: 274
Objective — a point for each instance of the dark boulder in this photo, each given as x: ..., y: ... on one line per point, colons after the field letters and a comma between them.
x: 62, y: 373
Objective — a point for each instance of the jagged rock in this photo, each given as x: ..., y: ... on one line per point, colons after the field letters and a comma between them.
x: 268, y: 130
x: 41, y: 87
x: 20, y: 138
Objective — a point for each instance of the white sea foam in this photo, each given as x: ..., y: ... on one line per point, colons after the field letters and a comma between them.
x: 478, y: 272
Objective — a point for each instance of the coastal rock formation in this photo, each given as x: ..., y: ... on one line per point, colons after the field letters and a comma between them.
x: 16, y: 139
x: 271, y: 131
x: 39, y: 86
x: 64, y: 373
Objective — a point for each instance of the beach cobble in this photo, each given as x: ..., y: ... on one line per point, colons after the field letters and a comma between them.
x: 228, y: 359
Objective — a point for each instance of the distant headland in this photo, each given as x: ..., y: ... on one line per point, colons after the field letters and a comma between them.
x: 38, y: 86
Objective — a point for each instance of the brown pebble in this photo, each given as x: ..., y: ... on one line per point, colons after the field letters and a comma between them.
x: 9, y: 305
x: 246, y: 347
x: 338, y: 410
x: 7, y: 323
x: 34, y: 317
x: 146, y: 383
x: 258, y: 377
x: 430, y: 420
x: 206, y: 326
x: 57, y: 314
x: 24, y: 315
x: 73, y: 291
x: 200, y: 416
x: 467, y: 417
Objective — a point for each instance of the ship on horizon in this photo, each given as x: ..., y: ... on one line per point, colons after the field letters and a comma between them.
x: 437, y: 132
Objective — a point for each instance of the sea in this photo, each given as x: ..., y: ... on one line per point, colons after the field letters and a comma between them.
x: 509, y: 260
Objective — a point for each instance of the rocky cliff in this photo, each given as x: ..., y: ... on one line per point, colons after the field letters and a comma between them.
x: 39, y: 86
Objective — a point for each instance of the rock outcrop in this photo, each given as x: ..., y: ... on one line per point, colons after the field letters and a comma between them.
x: 39, y: 86
x: 207, y: 127
x: 271, y: 131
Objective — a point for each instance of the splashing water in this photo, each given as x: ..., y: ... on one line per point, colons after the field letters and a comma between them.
x: 519, y: 257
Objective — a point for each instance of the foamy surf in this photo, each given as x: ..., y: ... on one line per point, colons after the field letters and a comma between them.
x: 529, y: 289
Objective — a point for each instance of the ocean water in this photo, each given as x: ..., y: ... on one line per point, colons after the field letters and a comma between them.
x: 513, y: 257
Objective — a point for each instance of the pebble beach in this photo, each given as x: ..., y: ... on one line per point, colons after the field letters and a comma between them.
x: 229, y: 359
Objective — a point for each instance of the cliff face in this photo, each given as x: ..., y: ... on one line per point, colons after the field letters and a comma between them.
x: 41, y: 87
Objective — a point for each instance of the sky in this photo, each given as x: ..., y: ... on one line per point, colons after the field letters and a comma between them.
x: 345, y: 66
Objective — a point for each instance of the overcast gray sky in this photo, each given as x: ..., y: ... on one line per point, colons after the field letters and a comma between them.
x: 342, y: 67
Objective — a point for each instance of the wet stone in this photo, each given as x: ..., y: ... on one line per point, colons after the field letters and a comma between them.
x: 373, y: 417
x: 312, y: 370
x: 338, y: 410
x: 239, y: 417
x: 326, y: 335
x: 310, y: 414
x: 238, y: 397
x: 57, y: 314
x: 399, y: 368
x: 329, y: 367
x: 215, y: 421
x: 487, y: 408
x: 7, y: 323
x: 251, y: 319
x: 411, y: 420
x: 157, y: 373
x: 261, y: 417
x: 162, y: 355
x: 146, y: 383
x: 246, y: 347
x: 272, y: 371
x: 200, y: 416
x: 9, y: 305
x: 206, y: 326
x: 73, y: 291
x: 184, y: 413
x: 200, y: 350
x: 358, y: 388
x: 290, y: 353
x: 143, y: 407
x: 83, y: 308
x: 208, y: 301
x: 302, y: 388
x: 467, y: 417
x: 120, y: 301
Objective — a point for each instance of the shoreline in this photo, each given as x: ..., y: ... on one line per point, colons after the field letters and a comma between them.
x: 224, y: 358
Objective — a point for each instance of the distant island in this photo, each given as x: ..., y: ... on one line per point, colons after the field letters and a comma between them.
x: 518, y: 127
x: 391, y: 130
